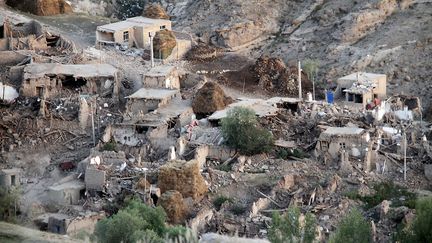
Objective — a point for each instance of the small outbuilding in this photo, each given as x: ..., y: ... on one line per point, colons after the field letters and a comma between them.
x: 10, y: 177
x: 68, y: 193
x: 163, y: 76
x: 361, y: 87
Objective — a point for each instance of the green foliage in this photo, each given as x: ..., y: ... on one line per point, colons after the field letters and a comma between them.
x: 110, y: 146
x: 8, y: 204
x: 241, y: 131
x: 286, y: 153
x: 352, y: 229
x: 386, y: 191
x: 224, y: 167
x: 136, y: 222
x: 311, y: 68
x: 421, y: 228
x: 238, y: 209
x: 289, y: 228
x: 217, y: 202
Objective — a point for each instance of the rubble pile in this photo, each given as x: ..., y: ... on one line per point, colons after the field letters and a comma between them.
x: 174, y: 206
x: 210, y: 98
x: 41, y: 7
x: 163, y: 44
x: 273, y: 75
x: 155, y: 11
x: 182, y: 176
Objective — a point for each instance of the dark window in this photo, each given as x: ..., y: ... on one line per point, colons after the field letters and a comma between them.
x: 350, y: 97
x: 1, y: 31
x: 13, y: 180
x: 358, y: 98
x: 126, y: 36
x: 342, y: 91
x: 163, y: 27
x: 39, y: 91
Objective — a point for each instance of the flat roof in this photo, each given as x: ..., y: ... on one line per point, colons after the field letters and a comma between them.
x: 156, y: 94
x: 343, y: 131
x: 40, y: 70
x: 164, y: 114
x: 11, y: 171
x: 259, y: 106
x: 362, y: 76
x: 158, y: 71
x: 131, y: 22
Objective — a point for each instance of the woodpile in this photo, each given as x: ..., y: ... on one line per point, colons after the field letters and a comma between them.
x: 202, y: 53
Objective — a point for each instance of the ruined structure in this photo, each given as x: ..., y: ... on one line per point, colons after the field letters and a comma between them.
x: 66, y: 224
x: 67, y: 193
x: 10, y: 177
x: 362, y: 87
x: 49, y: 80
x: 132, y: 32
x: 334, y: 139
x: 163, y: 76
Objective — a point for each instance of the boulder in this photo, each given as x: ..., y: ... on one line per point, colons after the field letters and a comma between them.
x: 182, y: 176
x: 174, y: 206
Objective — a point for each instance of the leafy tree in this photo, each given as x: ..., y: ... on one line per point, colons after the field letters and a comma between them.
x: 311, y: 68
x: 421, y: 228
x: 241, y: 131
x: 352, y: 229
x: 137, y: 222
x: 8, y: 204
x: 292, y: 227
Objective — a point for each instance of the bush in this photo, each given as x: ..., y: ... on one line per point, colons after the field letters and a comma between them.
x: 217, y: 202
x: 241, y: 131
x: 8, y: 204
x: 352, y: 229
x: 110, y: 146
x: 289, y: 228
x: 135, y: 222
x: 238, y: 209
x: 421, y: 228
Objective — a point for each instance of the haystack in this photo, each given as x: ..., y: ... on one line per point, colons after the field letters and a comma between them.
x: 202, y: 53
x: 163, y: 44
x: 174, y: 206
x: 41, y: 7
x: 155, y: 11
x: 182, y: 176
x: 210, y: 98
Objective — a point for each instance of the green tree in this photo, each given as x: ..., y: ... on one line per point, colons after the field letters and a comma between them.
x: 352, y: 229
x: 421, y: 228
x: 241, y: 131
x: 311, y: 68
x: 8, y: 204
x: 136, y: 222
x: 291, y: 227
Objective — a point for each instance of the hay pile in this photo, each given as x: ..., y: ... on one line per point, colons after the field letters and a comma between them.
x: 182, y: 176
x: 163, y: 44
x: 155, y: 11
x: 174, y: 206
x: 41, y: 7
x: 210, y: 98
x: 273, y: 75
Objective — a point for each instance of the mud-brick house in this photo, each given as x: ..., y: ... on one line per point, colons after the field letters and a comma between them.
x: 361, y: 87
x: 132, y: 32
x: 335, y: 139
x: 163, y: 76
x: 50, y: 80
x: 146, y: 100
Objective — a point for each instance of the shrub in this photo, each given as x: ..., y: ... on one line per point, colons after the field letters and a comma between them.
x: 238, y: 209
x: 135, y: 222
x: 8, y: 204
x: 241, y: 131
x: 421, y: 228
x: 285, y: 153
x: 353, y: 228
x: 217, y: 202
x: 110, y: 146
x: 290, y: 228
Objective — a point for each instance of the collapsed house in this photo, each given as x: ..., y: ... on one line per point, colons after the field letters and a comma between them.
x: 47, y: 80
x: 132, y: 32
x: 10, y: 177
x: 67, y: 193
x: 336, y: 139
x: 163, y: 76
x: 362, y: 88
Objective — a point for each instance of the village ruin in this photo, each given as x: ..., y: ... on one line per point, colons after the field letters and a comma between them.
x: 136, y: 108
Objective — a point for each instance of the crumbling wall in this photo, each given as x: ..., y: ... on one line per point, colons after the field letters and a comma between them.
x: 182, y: 176
x: 94, y: 179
